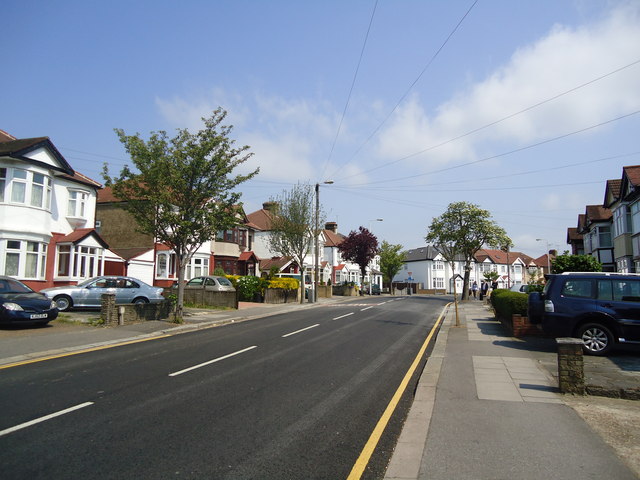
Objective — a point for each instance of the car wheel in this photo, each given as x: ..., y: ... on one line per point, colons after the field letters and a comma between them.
x: 63, y: 302
x: 140, y: 300
x: 596, y: 339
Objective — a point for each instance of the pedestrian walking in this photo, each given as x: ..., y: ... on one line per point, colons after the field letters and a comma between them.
x: 474, y: 289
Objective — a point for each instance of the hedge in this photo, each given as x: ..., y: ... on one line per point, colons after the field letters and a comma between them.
x: 286, y: 283
x: 507, y: 303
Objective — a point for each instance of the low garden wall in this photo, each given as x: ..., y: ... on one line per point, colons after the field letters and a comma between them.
x: 344, y: 291
x: 205, y: 296
x: 325, y: 291
x: 128, y: 313
x: 281, y: 295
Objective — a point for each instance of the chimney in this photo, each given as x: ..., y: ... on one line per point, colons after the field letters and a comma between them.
x: 269, y: 206
x: 333, y: 226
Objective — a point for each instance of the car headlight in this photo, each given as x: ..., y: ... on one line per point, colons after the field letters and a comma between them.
x: 53, y: 304
x: 12, y: 306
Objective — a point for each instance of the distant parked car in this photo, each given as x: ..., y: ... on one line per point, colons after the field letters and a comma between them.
x: 211, y: 282
x: 88, y: 294
x: 20, y: 305
x: 375, y: 289
x: 601, y: 309
x: 520, y: 287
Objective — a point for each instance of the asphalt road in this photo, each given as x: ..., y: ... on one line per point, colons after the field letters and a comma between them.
x: 290, y: 396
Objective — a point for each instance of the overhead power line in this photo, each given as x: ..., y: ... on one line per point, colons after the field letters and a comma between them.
x: 353, y: 82
x: 495, y: 122
x: 404, y: 95
x: 504, y: 154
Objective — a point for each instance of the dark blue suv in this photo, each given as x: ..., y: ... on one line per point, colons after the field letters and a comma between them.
x: 602, y: 309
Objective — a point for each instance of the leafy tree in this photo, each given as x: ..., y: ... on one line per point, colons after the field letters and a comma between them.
x: 293, y: 226
x: 391, y: 260
x: 575, y: 263
x: 491, y: 276
x: 463, y: 230
x: 182, y: 192
x: 360, y: 248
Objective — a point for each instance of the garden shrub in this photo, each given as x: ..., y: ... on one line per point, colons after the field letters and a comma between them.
x: 249, y: 286
x: 507, y: 303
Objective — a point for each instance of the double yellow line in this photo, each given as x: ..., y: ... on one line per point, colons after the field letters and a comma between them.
x: 78, y: 352
x: 374, y: 438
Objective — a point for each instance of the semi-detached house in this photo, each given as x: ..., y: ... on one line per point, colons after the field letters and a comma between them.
x: 47, y: 234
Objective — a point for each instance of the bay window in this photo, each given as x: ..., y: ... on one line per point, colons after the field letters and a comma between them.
x: 23, y: 259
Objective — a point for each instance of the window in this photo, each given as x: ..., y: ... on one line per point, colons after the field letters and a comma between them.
x: 41, y: 191
x: 18, y: 186
x: 580, y: 288
x: 197, y: 266
x: 24, y: 259
x: 77, y: 203
x: 604, y: 237
x: 25, y: 187
x: 635, y: 217
x: 165, y: 265
x: 77, y: 261
x: 621, y: 220
x: 3, y: 182
x: 438, y: 265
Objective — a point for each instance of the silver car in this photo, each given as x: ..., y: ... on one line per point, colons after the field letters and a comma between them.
x: 211, y: 282
x: 88, y: 294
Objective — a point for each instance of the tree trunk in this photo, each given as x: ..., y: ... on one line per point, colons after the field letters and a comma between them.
x: 180, y: 302
x: 302, y: 289
x: 465, y: 283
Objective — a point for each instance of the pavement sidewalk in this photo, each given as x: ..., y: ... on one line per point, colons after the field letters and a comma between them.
x: 487, y: 407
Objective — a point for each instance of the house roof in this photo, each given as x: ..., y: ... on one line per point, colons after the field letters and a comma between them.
x: 279, y: 262
x: 428, y: 252
x: 260, y: 219
x: 247, y: 256
x: 6, y: 137
x: 502, y: 257
x: 573, y: 235
x: 612, y: 192
x: 633, y: 174
x: 80, y: 234
x: 129, y: 253
x: 596, y: 213
x: 20, y: 148
x: 332, y: 239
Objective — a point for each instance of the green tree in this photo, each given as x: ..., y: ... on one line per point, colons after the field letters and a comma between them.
x: 182, y: 189
x: 391, y: 260
x: 462, y: 230
x: 360, y: 248
x: 575, y: 263
x: 491, y: 276
x: 293, y: 226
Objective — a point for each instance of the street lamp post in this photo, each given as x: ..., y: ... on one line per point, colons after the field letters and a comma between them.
x: 316, y: 272
x: 548, y: 259
x: 370, y: 270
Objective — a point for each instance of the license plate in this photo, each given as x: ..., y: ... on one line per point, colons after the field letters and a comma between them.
x: 39, y: 315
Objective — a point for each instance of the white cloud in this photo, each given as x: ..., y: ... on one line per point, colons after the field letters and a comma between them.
x: 565, y: 58
x: 287, y: 137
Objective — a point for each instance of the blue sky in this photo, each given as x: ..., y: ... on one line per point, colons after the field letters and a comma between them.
x: 525, y: 108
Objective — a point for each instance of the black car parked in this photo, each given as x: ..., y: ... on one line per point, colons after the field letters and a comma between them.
x: 602, y: 309
x: 19, y: 305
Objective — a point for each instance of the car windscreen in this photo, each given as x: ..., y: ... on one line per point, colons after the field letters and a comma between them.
x: 225, y: 282
x: 9, y: 285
